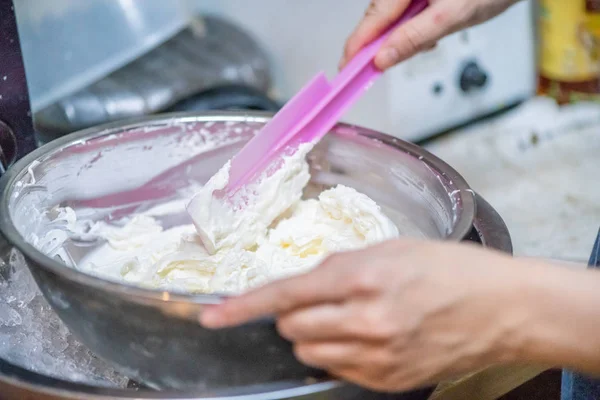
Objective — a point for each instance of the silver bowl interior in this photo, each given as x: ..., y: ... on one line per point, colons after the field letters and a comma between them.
x: 111, y: 173
x: 114, y: 171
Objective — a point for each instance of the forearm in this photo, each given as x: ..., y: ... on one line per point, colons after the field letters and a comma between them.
x: 561, y: 324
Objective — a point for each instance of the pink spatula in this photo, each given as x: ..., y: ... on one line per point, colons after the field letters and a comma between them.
x: 309, y: 115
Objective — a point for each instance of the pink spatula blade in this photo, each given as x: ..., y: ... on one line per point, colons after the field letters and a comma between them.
x: 249, y: 160
x: 309, y: 115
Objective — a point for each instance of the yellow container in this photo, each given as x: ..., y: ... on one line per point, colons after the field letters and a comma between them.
x: 569, y: 32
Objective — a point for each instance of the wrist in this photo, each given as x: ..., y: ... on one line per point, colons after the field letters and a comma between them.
x: 515, y: 311
x: 504, y: 307
x: 556, y: 317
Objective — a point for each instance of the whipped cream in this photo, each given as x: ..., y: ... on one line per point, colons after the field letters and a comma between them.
x: 238, y: 222
x: 267, y: 232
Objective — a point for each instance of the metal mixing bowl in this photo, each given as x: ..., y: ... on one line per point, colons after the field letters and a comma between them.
x: 117, y: 169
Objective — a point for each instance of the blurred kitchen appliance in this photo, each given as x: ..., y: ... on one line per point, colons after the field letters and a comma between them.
x: 470, y: 74
x: 210, y: 64
x: 97, y: 61
x: 68, y: 44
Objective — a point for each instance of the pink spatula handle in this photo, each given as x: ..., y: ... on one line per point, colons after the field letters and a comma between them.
x: 309, y: 115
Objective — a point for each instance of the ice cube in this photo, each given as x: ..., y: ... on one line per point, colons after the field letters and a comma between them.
x: 8, y: 316
x: 33, y: 337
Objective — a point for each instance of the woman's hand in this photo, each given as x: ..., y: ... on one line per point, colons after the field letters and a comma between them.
x: 398, y: 315
x: 442, y: 18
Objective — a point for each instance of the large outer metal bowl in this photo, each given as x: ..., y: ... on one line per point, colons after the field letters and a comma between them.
x: 154, y: 336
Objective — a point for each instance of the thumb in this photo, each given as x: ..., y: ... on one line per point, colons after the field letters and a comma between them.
x: 419, y: 34
x: 378, y: 16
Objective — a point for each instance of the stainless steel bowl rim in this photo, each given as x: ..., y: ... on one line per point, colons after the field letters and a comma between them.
x: 41, y: 384
x: 142, y: 295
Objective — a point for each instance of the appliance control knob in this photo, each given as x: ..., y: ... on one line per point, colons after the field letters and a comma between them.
x: 472, y: 77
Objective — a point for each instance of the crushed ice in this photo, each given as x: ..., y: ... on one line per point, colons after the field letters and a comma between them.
x: 33, y: 337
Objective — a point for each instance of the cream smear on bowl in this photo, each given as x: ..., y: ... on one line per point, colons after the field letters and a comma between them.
x: 229, y: 248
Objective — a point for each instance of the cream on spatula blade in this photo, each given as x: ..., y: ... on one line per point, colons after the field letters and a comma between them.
x: 231, y: 206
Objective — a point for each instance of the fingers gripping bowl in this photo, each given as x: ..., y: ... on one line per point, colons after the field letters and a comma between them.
x: 114, y: 171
